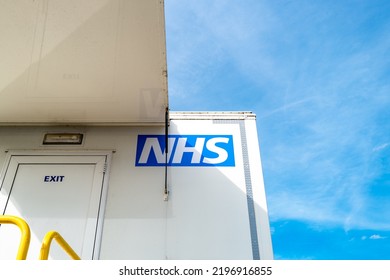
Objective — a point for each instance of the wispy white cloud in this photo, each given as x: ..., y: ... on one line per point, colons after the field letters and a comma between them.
x: 380, y: 147
x: 286, y: 107
x: 376, y: 237
x: 373, y: 237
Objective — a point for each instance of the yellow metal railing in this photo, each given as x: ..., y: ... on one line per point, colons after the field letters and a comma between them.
x: 25, y: 230
x: 44, y: 254
x: 26, y: 235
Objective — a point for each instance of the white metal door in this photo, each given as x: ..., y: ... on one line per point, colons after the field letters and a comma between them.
x: 54, y: 192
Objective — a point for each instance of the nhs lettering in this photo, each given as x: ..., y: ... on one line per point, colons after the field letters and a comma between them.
x: 185, y: 150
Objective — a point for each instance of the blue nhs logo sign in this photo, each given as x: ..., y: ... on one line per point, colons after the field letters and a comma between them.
x: 185, y: 150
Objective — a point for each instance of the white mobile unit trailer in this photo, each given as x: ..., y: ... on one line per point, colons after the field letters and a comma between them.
x: 89, y: 149
x: 106, y: 196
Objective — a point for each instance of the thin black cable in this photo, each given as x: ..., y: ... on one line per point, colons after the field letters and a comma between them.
x: 166, y: 153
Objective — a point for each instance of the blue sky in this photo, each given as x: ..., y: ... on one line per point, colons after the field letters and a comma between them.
x: 317, y: 75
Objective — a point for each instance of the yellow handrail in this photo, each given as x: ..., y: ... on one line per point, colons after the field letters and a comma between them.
x: 44, y: 254
x: 25, y: 230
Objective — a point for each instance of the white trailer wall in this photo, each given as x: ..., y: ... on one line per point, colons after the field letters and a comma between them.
x: 213, y: 212
x: 219, y: 212
x: 82, y: 62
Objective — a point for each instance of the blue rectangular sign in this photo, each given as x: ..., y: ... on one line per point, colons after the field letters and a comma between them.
x: 185, y: 150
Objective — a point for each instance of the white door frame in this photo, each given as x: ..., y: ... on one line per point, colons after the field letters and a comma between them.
x: 25, y: 154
